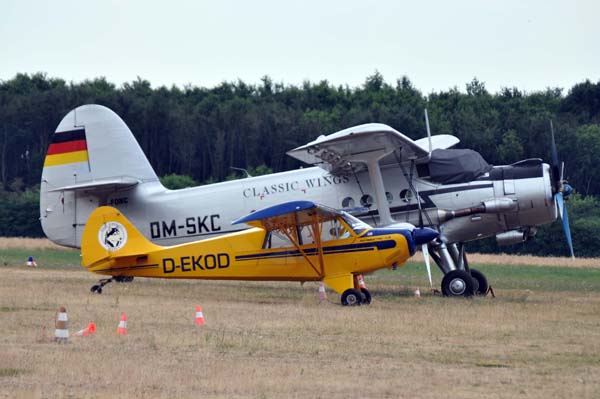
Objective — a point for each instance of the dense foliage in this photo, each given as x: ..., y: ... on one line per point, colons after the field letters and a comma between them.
x: 202, y: 132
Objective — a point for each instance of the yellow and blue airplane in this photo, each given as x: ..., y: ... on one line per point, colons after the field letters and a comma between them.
x: 292, y: 241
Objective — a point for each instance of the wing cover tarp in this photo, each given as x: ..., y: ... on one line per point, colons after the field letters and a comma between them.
x: 456, y: 166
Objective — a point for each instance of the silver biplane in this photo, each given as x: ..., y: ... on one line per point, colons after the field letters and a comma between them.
x: 94, y: 160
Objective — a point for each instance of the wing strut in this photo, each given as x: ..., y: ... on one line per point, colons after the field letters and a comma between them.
x: 372, y: 161
x: 304, y: 255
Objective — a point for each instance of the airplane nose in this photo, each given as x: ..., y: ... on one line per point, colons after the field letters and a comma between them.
x: 424, y: 235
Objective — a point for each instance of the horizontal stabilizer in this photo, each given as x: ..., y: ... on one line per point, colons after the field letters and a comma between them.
x: 100, y: 185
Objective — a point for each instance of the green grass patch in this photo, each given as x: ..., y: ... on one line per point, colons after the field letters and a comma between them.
x: 45, y: 258
x: 535, y: 278
x: 402, y: 281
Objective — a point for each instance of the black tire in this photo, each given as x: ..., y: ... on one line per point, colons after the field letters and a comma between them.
x: 482, y: 289
x: 475, y: 285
x: 94, y: 288
x: 457, y: 283
x: 351, y: 297
x: 99, y: 290
x: 366, y: 296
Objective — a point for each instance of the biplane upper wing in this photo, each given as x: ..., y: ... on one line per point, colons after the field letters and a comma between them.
x: 346, y: 149
x: 288, y: 214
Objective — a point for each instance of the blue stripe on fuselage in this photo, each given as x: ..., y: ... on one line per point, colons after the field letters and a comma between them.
x: 406, y: 233
x: 366, y: 246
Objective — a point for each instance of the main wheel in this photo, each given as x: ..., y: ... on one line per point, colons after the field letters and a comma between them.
x: 366, y: 296
x: 351, y: 297
x: 483, y: 283
x: 457, y: 283
x: 96, y: 289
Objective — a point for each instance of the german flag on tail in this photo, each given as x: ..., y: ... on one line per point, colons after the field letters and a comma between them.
x: 66, y: 148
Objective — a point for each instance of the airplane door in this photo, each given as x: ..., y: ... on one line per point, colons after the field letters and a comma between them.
x: 509, y: 187
x: 84, y: 205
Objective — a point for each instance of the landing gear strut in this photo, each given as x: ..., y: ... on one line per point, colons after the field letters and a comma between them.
x: 459, y: 279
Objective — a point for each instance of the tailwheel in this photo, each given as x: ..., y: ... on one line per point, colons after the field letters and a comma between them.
x: 457, y: 283
x: 366, y: 296
x: 483, y: 285
x: 97, y: 289
x: 351, y: 297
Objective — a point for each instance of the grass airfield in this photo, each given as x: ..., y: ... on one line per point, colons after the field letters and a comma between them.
x: 539, y: 338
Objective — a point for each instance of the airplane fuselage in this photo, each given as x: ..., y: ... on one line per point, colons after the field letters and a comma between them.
x: 169, y: 217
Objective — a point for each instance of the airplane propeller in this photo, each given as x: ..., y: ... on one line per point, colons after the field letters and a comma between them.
x: 425, y: 250
x: 424, y: 247
x: 562, y: 191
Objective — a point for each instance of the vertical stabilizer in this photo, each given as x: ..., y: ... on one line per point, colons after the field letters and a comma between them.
x: 91, y: 154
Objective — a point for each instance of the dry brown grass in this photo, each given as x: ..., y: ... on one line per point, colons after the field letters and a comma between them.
x: 275, y: 340
x: 27, y: 243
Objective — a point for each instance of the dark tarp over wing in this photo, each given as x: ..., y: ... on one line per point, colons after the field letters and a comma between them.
x: 456, y: 166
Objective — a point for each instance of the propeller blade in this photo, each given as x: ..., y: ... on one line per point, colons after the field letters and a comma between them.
x: 567, y: 229
x: 425, y: 250
x: 555, y: 162
x: 560, y: 204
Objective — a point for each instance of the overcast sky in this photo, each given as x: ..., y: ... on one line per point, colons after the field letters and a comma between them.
x: 528, y: 44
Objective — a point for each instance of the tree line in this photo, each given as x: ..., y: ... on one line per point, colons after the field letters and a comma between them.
x: 202, y: 132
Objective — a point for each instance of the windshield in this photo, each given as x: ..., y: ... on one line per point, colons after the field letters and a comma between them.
x: 355, y: 224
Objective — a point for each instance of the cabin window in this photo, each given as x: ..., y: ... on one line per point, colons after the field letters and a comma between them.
x: 389, y: 197
x: 348, y: 202
x: 334, y: 230
x: 366, y: 200
x: 274, y: 239
x: 357, y: 225
x: 406, y: 195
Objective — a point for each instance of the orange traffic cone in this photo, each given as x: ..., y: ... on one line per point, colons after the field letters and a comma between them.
x: 122, y: 329
x: 199, y: 316
x: 417, y: 293
x: 86, y: 332
x: 31, y: 262
x: 322, y: 293
x: 61, y: 333
x: 361, y: 281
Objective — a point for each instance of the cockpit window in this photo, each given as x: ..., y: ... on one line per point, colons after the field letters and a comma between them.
x: 274, y: 239
x: 357, y: 225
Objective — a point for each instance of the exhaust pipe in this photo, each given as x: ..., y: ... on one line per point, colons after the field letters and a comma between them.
x: 497, y: 205
x: 511, y: 237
